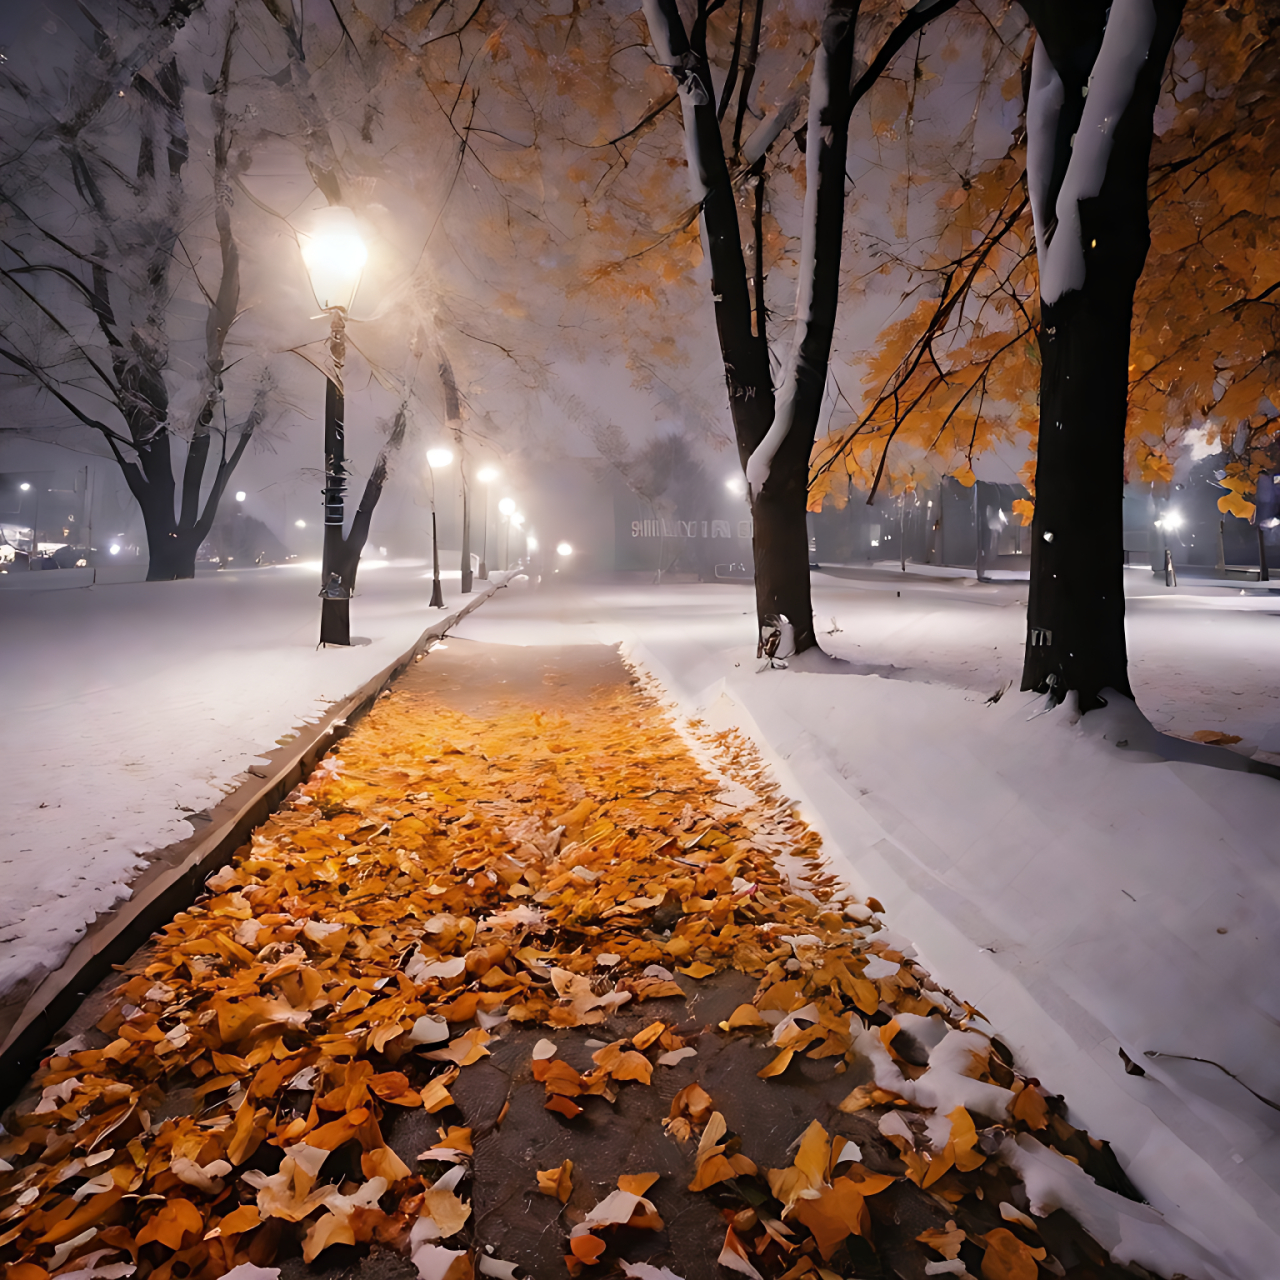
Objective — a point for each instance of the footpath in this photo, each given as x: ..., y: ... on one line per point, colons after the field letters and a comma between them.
x: 527, y: 980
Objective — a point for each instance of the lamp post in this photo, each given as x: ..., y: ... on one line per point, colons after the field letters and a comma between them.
x: 334, y: 255
x: 506, y: 509
x: 516, y: 521
x: 486, y: 476
x: 436, y: 458
x: 466, y: 513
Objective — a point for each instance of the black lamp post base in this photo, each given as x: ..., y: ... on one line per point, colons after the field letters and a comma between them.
x: 483, y: 572
x: 335, y: 622
x: 466, y: 582
x: 437, y: 596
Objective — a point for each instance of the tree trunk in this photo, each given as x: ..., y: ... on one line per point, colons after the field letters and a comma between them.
x: 1075, y: 614
x: 1092, y: 250
x: 780, y: 544
x: 781, y: 460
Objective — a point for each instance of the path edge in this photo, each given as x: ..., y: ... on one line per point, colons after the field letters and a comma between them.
x: 176, y: 876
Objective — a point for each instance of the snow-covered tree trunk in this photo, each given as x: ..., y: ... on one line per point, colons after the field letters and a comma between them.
x: 778, y: 468
x: 1096, y: 77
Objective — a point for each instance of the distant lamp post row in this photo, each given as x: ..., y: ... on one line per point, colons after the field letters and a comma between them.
x: 437, y: 459
x: 335, y: 257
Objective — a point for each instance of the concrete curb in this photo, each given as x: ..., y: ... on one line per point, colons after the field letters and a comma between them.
x: 177, y: 874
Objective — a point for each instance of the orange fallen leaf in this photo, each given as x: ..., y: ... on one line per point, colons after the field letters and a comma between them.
x: 623, y: 1064
x: 245, y: 1218
x: 648, y: 1035
x: 1029, y: 1107
x: 170, y: 1223
x: 330, y: 1229
x: 1007, y: 1258
x: 946, y: 1242
x: 778, y: 1065
x: 565, y: 1106
x: 637, y: 1183
x: 557, y: 1182
x: 745, y: 1015
x: 586, y: 1248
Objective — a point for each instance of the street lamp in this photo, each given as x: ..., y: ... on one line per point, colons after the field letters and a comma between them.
x: 486, y: 476
x: 334, y: 256
x: 436, y: 458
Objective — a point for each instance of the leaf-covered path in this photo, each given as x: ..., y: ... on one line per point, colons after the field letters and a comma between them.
x: 526, y: 982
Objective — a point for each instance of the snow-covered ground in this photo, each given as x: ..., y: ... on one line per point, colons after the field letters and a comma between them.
x: 127, y: 706
x: 1086, y: 895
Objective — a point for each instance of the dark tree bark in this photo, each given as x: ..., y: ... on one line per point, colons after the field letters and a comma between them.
x: 1075, y: 614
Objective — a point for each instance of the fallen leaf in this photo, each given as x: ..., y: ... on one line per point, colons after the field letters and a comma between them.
x: 733, y: 1257
x: 637, y: 1183
x: 174, y: 1219
x: 1007, y: 1258
x: 557, y: 1182
x: 586, y: 1248
x: 623, y: 1064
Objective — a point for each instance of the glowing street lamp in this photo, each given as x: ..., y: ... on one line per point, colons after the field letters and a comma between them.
x: 437, y: 458
x: 486, y: 476
x: 564, y: 550
x: 736, y: 484
x: 334, y: 255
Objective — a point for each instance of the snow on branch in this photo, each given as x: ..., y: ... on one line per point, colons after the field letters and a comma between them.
x: 1126, y: 42
x: 819, y: 131
x: 671, y: 44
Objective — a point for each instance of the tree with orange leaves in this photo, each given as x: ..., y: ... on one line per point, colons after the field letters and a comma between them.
x: 962, y: 371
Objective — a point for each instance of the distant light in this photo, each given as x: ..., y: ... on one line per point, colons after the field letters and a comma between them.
x: 301, y: 524
x: 736, y: 484
x: 531, y: 542
x: 241, y: 495
x: 115, y: 548
x: 24, y: 486
x: 564, y: 549
x: 507, y: 506
x: 517, y: 518
x: 1171, y: 520
x: 439, y: 457
x: 487, y: 475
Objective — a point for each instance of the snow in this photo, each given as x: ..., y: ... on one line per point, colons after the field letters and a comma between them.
x: 129, y: 706
x: 1125, y: 44
x: 693, y: 93
x: 1087, y: 897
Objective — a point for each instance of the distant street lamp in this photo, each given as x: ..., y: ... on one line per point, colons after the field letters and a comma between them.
x: 241, y: 495
x: 436, y: 458
x: 507, y: 508
x: 486, y: 476
x: 334, y: 255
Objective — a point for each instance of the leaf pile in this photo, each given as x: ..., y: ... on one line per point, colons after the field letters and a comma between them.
x: 450, y: 874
